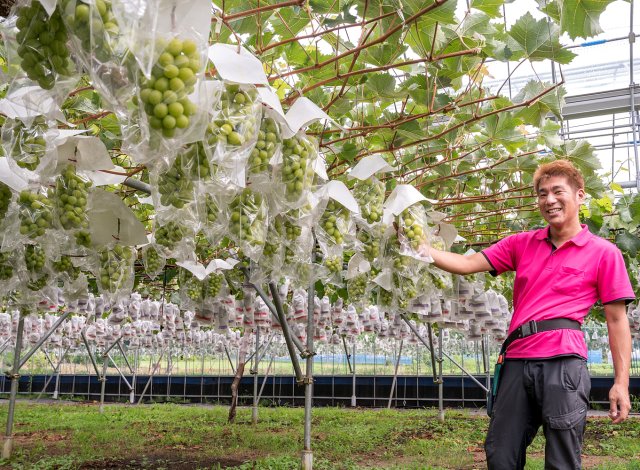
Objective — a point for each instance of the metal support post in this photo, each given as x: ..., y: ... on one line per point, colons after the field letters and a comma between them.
x: 307, y: 454
x: 395, y: 375
x: 254, y: 372
x: 7, y: 448
x: 45, y: 337
x: 233, y: 367
x: 155, y: 368
x: 136, y: 364
x: 125, y: 357
x: 56, y: 371
x: 103, y: 381
x: 347, y: 355
x: 286, y: 332
x: 444, y: 353
x: 130, y: 386
x: 353, y: 375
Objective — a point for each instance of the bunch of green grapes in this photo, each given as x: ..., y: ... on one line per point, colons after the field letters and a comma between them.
x: 34, y: 258
x: 191, y: 286
x: 65, y: 266
x: 92, y: 23
x: 175, y: 186
x: 70, y: 202
x: 5, y: 200
x: 153, y: 261
x: 292, y: 230
x: 268, y: 140
x: 413, y: 228
x: 213, y: 284
x: 392, y: 252
x: 297, y: 169
x: 42, y: 44
x: 115, y: 268
x: 406, y: 288
x: 194, y: 161
x: 333, y: 264
x: 28, y: 144
x: 83, y: 238
x: 370, y: 245
x: 437, y: 280
x: 35, y: 213
x: 165, y: 94
x: 39, y: 283
x: 357, y: 287
x: 385, y: 297
x: 370, y: 196
x: 237, y: 121
x: 333, y: 221
x: 169, y: 234
x: 248, y: 217
x: 6, y: 269
x: 211, y: 209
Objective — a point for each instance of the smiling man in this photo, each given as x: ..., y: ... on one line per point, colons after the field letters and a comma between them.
x: 562, y: 270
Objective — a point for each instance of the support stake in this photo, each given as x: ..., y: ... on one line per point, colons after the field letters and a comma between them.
x: 7, y: 448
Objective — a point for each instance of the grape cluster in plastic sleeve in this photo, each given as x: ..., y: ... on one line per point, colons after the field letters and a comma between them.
x: 153, y: 261
x: 237, y: 122
x: 213, y: 284
x: 357, y: 287
x: 6, y: 269
x: 91, y: 23
x: 169, y: 234
x: 268, y: 139
x: 34, y: 258
x: 36, y: 214
x: 297, y: 171
x: 65, y: 266
x: 370, y: 245
x: 175, y: 186
x: 165, y: 94
x: 70, y: 200
x: 333, y: 264
x: 5, y: 199
x: 248, y: 217
x: 42, y: 44
x: 412, y: 229
x: 333, y: 217
x: 115, y: 268
x: 29, y: 144
x: 370, y: 196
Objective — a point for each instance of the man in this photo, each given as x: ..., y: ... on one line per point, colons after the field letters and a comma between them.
x: 561, y: 271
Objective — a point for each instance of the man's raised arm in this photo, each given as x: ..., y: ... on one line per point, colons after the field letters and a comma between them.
x: 455, y: 263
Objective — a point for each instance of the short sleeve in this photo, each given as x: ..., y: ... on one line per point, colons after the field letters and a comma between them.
x: 613, y: 280
x: 502, y: 255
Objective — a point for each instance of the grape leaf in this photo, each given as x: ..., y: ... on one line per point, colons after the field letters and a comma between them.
x: 538, y: 40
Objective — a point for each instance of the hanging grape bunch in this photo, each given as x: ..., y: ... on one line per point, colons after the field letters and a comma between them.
x: 248, y: 217
x: 42, y: 44
x: 5, y: 200
x: 191, y: 286
x: 115, y: 268
x: 65, y: 266
x: 6, y: 269
x: 297, y: 170
x: 175, y: 187
x: 153, y: 261
x: 437, y: 280
x: 211, y: 209
x: 392, y: 252
x: 385, y: 297
x: 213, y: 284
x: 70, y: 202
x: 169, y: 234
x: 236, y: 123
x: 194, y: 162
x: 334, y: 221
x: 370, y: 245
x: 165, y: 94
x: 413, y: 221
x: 268, y: 141
x: 357, y: 287
x: 370, y: 196
x: 35, y: 213
x: 405, y: 288
x: 25, y: 145
x: 333, y: 263
x: 92, y: 23
x: 34, y: 258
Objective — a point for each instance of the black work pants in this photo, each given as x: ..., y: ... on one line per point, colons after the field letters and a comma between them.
x: 553, y: 393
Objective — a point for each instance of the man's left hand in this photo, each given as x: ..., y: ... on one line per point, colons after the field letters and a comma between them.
x: 619, y: 403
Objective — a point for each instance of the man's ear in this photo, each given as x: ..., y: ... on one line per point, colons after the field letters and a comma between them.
x: 581, y: 195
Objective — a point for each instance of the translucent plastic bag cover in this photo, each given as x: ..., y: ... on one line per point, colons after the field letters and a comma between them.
x: 70, y: 196
x: 412, y: 231
x: 370, y: 194
x: 333, y: 262
x: 268, y: 148
x: 212, y: 214
x: 7, y: 196
x: 248, y: 223
x: 26, y: 146
x: 9, y: 266
x: 171, y: 187
x: 114, y: 272
x: 153, y: 260
x: 191, y: 289
x: 335, y: 227
x: 369, y: 241
x: 175, y: 233
x: 295, y: 174
x: 35, y: 213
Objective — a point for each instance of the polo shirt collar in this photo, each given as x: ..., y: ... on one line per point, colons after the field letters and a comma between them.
x: 580, y: 239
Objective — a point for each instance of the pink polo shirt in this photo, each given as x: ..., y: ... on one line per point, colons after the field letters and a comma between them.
x: 560, y: 283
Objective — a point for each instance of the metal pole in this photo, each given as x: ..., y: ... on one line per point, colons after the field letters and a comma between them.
x: 33, y: 350
x: 346, y: 353
x: 125, y: 357
x: 103, y: 380
x: 15, y: 376
x: 353, y: 375
x: 395, y: 375
x: 233, y: 368
x: 93, y: 361
x: 285, y: 331
x: 120, y: 372
x: 454, y: 362
x: 632, y: 92
x: 151, y: 376
x: 440, y: 380
x: 136, y: 364
x: 266, y: 376
x: 487, y: 368
x: 254, y: 409
x: 307, y: 454
x: 57, y: 372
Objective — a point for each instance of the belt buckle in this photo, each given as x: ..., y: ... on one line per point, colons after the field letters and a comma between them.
x: 529, y: 328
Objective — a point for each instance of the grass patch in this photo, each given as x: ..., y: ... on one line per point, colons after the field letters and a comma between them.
x: 74, y: 436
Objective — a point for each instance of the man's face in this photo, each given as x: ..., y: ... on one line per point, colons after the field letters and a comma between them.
x: 558, y: 202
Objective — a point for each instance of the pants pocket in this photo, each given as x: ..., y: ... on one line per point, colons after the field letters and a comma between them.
x: 568, y: 420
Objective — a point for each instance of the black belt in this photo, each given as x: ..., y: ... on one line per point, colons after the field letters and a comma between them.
x: 532, y: 327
